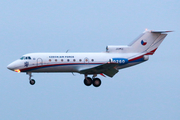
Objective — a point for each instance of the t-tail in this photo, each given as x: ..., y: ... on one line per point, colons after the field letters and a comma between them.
x: 146, y: 44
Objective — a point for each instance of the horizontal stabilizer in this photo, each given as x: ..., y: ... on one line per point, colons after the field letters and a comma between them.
x: 160, y: 31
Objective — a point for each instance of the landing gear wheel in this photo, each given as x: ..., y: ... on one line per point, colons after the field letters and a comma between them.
x: 88, y: 81
x: 32, y: 81
x: 96, y: 82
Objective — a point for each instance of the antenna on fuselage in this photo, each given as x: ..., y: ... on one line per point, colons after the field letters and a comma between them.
x: 73, y: 73
x: 67, y: 51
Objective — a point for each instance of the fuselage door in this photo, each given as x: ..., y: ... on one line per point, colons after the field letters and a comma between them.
x: 39, y: 62
x: 86, y: 60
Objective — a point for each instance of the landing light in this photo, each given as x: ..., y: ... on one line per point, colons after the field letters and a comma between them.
x: 17, y: 70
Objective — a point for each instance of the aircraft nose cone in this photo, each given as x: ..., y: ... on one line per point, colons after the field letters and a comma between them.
x: 14, y: 66
x: 10, y: 67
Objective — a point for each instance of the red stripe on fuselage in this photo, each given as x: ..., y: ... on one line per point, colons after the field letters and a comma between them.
x: 151, y: 52
x: 136, y: 58
x: 53, y: 65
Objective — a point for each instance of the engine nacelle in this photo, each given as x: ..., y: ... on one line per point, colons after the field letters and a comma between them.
x: 119, y: 49
x: 121, y: 61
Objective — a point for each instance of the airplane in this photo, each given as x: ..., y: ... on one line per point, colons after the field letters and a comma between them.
x: 101, y: 63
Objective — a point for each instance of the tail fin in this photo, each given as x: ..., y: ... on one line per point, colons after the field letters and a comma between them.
x: 148, y: 42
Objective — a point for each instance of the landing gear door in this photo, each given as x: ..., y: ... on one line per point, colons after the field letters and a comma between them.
x: 86, y: 60
x: 39, y: 62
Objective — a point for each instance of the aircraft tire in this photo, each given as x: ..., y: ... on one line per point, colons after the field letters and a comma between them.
x: 96, y: 82
x: 88, y: 82
x: 32, y: 81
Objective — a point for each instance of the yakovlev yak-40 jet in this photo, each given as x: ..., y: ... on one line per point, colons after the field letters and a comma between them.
x: 104, y: 63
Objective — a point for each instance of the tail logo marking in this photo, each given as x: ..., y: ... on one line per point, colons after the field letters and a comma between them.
x: 143, y: 43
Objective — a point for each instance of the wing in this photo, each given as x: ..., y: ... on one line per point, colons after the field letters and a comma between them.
x: 108, y: 69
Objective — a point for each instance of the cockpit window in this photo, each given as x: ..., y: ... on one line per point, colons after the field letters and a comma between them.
x: 22, y: 58
x: 25, y: 58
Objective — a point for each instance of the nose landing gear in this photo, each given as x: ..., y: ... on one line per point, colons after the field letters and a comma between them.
x: 31, y: 81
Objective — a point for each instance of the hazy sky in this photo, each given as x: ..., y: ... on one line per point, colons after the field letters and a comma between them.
x: 149, y: 91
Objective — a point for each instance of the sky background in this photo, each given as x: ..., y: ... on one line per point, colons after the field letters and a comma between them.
x: 148, y: 91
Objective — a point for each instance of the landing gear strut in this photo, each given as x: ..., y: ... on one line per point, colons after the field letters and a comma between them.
x: 95, y: 81
x: 88, y: 81
x: 31, y: 81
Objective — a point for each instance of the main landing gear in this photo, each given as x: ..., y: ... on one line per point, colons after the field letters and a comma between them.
x: 95, y: 81
x: 31, y: 81
x: 87, y: 81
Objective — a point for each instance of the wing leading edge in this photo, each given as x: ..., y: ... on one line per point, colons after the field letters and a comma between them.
x: 108, y: 69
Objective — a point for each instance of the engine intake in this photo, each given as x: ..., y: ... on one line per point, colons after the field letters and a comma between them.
x: 119, y: 49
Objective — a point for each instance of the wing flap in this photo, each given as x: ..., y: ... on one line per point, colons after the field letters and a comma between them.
x: 108, y: 69
x: 111, y: 72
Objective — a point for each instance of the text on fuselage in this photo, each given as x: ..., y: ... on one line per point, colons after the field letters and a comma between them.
x: 61, y: 56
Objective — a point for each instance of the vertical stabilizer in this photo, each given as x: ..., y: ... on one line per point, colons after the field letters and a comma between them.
x: 148, y: 42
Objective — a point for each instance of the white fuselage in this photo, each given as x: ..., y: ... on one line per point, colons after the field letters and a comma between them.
x: 105, y: 63
x: 66, y: 62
